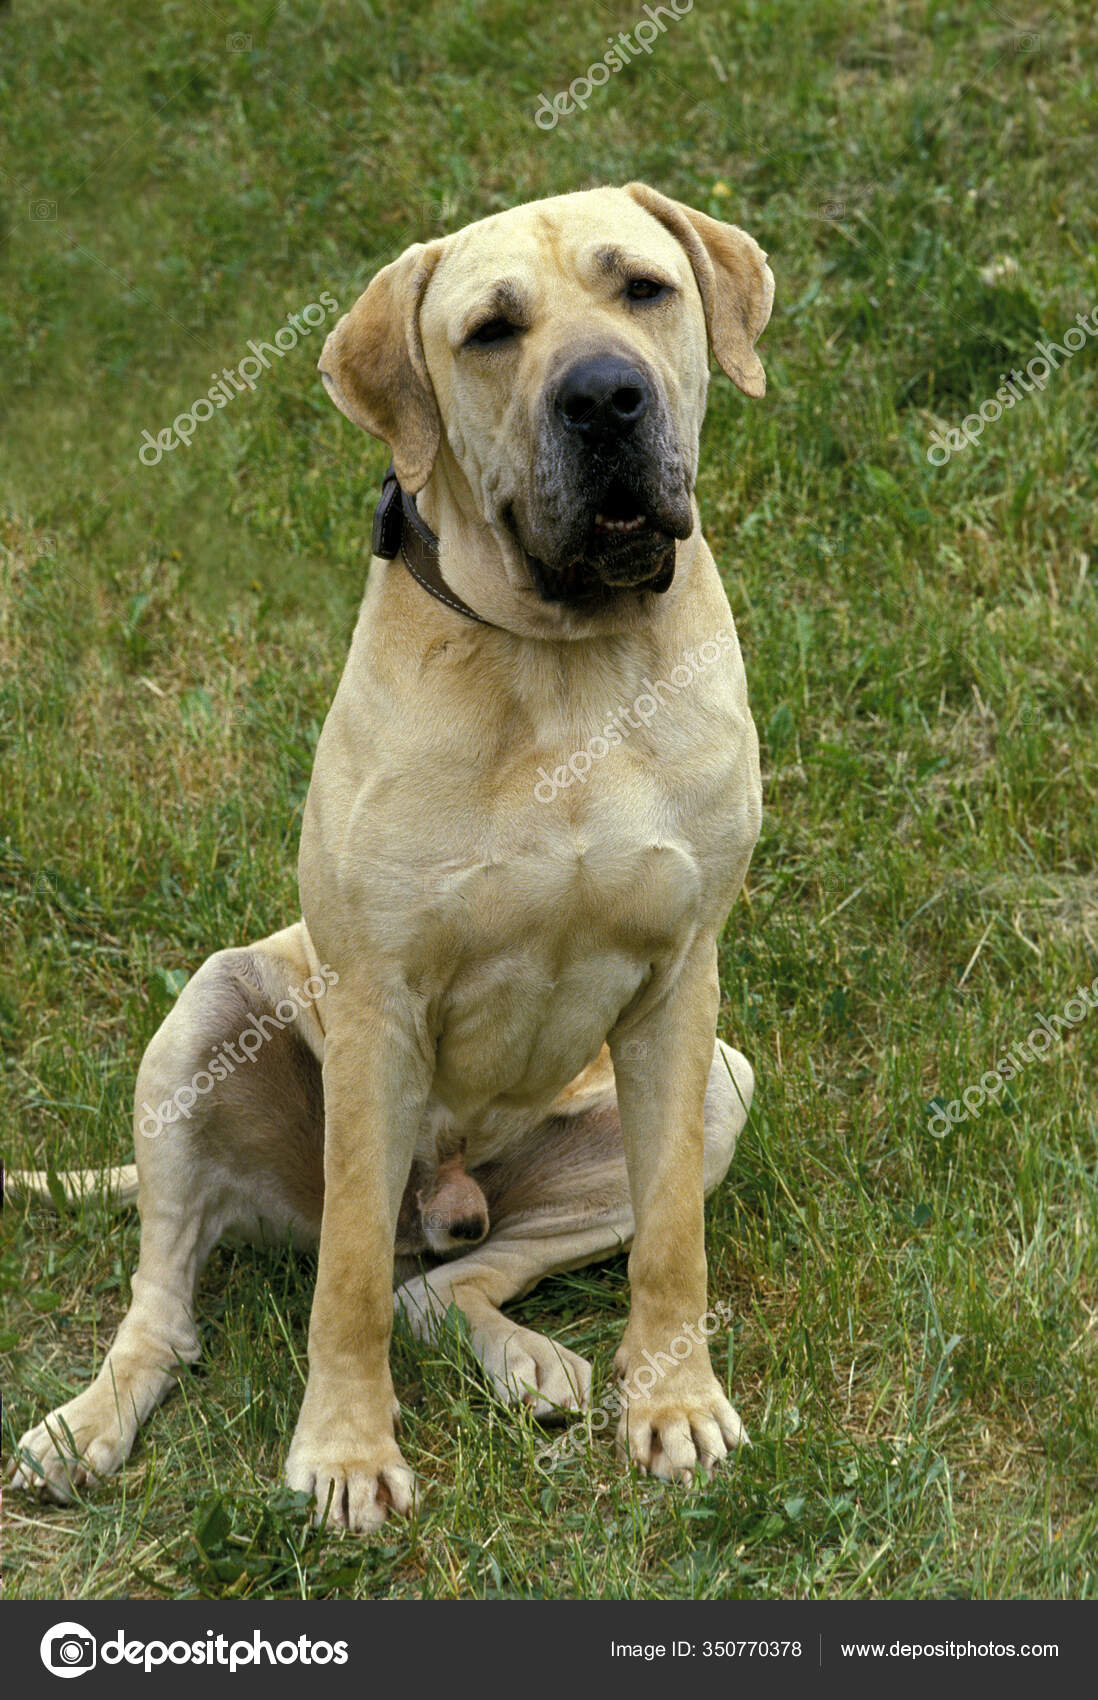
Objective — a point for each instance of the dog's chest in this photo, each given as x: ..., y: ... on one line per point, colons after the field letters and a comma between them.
x: 549, y: 941
x: 517, y: 900
x: 572, y: 891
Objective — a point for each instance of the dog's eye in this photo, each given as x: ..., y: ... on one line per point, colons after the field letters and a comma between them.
x: 645, y: 289
x: 492, y: 331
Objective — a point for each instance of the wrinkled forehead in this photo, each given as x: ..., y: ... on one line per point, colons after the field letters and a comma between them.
x: 508, y: 263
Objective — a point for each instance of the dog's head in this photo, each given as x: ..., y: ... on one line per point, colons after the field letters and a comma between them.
x: 556, y: 356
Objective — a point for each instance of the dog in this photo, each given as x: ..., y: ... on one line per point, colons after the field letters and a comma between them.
x: 500, y: 1057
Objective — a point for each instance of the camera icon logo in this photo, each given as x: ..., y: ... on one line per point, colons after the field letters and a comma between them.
x: 68, y: 1650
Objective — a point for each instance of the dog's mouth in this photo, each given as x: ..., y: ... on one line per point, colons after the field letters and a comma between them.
x: 620, y: 516
x: 604, y: 523
x: 624, y: 545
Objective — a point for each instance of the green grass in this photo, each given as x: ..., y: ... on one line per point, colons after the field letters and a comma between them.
x: 914, y: 1350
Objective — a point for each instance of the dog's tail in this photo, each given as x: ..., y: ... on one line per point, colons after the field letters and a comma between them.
x: 118, y: 1185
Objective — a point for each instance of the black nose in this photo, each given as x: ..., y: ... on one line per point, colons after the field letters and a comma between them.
x: 603, y: 397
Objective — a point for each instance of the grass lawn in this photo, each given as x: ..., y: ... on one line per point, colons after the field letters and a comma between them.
x: 913, y: 1348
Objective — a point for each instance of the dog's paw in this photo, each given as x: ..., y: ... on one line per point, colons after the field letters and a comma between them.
x: 356, y: 1478
x: 527, y: 1369
x: 673, y: 1432
x: 74, y: 1447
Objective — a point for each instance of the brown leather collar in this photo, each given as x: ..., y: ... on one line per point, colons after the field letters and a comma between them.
x: 399, y: 528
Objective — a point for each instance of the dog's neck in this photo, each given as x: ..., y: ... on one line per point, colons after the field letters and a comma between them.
x: 483, y: 566
x: 401, y: 533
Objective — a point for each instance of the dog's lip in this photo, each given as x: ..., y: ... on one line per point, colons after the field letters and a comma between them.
x: 656, y: 580
x: 599, y: 591
x: 617, y: 537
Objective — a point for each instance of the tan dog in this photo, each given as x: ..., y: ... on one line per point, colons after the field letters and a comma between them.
x: 491, y: 1039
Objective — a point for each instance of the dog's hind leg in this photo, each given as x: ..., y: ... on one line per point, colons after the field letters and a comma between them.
x: 558, y: 1201
x: 243, y: 1157
x: 91, y: 1435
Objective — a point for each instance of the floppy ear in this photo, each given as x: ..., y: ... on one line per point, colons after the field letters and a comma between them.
x: 733, y: 278
x: 373, y: 367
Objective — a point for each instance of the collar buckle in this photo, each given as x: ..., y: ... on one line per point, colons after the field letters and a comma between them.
x: 399, y: 528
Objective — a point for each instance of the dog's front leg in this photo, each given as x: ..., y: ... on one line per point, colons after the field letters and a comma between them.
x: 376, y: 1081
x: 675, y: 1415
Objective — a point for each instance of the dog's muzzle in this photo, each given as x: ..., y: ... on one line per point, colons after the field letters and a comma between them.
x: 609, y: 497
